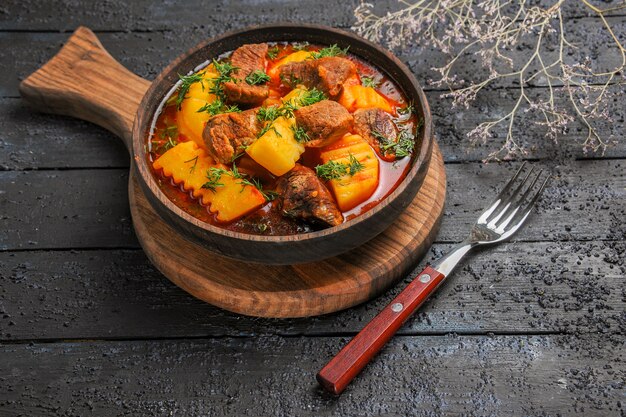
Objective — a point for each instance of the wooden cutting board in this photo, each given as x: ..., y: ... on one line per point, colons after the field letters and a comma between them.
x: 295, y: 290
x: 84, y: 81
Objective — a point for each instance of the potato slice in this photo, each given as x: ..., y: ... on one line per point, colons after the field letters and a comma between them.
x: 356, y: 97
x: 188, y: 165
x: 297, y: 56
x: 350, y: 191
x: 277, y: 150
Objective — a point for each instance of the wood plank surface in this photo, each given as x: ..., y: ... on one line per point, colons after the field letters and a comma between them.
x: 413, y: 376
x: 117, y: 294
x: 586, y: 200
x: 532, y: 327
x: 143, y: 15
x: 147, y: 53
x: 31, y: 140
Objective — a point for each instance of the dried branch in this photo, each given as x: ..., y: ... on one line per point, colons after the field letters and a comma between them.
x: 495, y: 31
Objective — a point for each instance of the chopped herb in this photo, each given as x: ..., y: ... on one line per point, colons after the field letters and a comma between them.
x: 273, y: 52
x: 268, y: 114
x: 307, y: 98
x: 186, y: 82
x: 195, y: 162
x: 300, y: 46
x: 407, y: 111
x: 225, y: 70
x: 312, y: 96
x: 405, y: 143
x: 355, y: 166
x: 169, y: 132
x: 289, y: 80
x: 369, y: 82
x: 241, y: 150
x: 255, y: 182
x: 257, y: 77
x: 217, y: 107
x: 300, y: 134
x: 170, y: 136
x: 234, y: 172
x: 333, y: 170
x: 169, y: 144
x: 401, y: 147
x: 214, y: 175
x: 261, y: 227
x: 332, y: 50
x: 267, y: 128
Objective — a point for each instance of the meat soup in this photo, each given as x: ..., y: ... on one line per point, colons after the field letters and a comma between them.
x: 280, y: 139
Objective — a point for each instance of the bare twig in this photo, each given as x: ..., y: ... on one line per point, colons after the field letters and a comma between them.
x: 493, y: 29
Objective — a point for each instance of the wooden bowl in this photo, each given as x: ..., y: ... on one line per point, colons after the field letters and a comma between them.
x: 53, y: 89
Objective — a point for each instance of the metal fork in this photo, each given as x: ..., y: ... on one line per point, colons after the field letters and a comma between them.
x: 498, y: 222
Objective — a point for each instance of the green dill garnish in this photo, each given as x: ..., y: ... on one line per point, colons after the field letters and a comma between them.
x: 333, y: 170
x: 214, y: 175
x: 169, y: 144
x: 261, y: 227
x: 369, y: 82
x: 268, y: 114
x: 169, y: 139
x: 289, y: 80
x: 267, y: 128
x: 234, y: 172
x: 225, y: 70
x: 252, y: 182
x: 257, y: 77
x: 332, y: 50
x: 273, y: 52
x: 218, y: 107
x: 186, y: 82
x: 401, y: 147
x: 405, y: 144
x: 300, y: 134
x: 312, y: 96
x: 408, y: 110
x: 300, y: 46
x: 170, y: 132
x: 307, y: 98
x: 241, y: 149
x: 268, y: 195
x: 355, y: 166
x: 195, y: 162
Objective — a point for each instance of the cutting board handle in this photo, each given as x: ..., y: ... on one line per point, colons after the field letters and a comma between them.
x: 82, y: 80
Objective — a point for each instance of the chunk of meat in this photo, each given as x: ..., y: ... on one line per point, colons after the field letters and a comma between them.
x: 248, y: 58
x: 324, y: 122
x: 303, y: 196
x: 372, y: 123
x: 326, y: 74
x: 226, y: 134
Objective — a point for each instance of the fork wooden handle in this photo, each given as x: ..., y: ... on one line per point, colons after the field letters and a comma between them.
x: 347, y: 364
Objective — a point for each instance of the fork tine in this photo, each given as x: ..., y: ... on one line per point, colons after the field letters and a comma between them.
x: 520, y: 201
x: 507, y: 201
x: 524, y: 213
x: 492, y: 207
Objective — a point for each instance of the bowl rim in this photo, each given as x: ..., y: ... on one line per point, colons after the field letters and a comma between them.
x: 138, y: 135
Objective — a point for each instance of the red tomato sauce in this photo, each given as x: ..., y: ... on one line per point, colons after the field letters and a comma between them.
x: 267, y: 220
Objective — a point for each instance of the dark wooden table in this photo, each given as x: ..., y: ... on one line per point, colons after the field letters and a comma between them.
x: 89, y: 327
